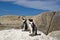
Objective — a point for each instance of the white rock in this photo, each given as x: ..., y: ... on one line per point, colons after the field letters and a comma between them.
x: 15, y: 34
x: 55, y: 35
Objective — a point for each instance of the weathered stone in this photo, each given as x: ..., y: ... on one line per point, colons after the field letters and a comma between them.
x: 55, y: 24
x: 55, y: 35
x: 45, y: 22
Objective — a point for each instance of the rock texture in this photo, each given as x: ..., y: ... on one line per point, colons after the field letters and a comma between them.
x: 14, y: 34
x: 45, y: 22
x: 55, y: 35
x: 55, y: 24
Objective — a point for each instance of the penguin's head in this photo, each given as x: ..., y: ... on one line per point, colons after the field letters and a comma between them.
x: 31, y: 20
x: 24, y: 19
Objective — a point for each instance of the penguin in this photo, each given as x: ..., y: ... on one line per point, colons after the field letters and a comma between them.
x: 24, y: 25
x: 32, y: 26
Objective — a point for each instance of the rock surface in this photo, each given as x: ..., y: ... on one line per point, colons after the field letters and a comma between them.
x: 55, y: 24
x: 55, y: 35
x: 45, y: 22
x: 15, y: 34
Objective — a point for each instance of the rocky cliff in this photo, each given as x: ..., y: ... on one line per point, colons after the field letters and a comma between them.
x: 45, y: 22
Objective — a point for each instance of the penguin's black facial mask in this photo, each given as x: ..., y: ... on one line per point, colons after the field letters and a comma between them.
x: 23, y: 19
x: 31, y: 20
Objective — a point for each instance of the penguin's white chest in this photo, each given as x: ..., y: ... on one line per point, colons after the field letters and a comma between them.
x: 30, y: 27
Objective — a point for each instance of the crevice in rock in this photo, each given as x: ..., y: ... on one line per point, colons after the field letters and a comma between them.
x: 50, y: 23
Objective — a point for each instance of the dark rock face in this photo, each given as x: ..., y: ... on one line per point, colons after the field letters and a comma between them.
x: 48, y: 22
x: 45, y: 22
x: 55, y: 24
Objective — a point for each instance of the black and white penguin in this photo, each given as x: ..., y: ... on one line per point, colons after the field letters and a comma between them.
x: 32, y: 26
x: 24, y: 25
